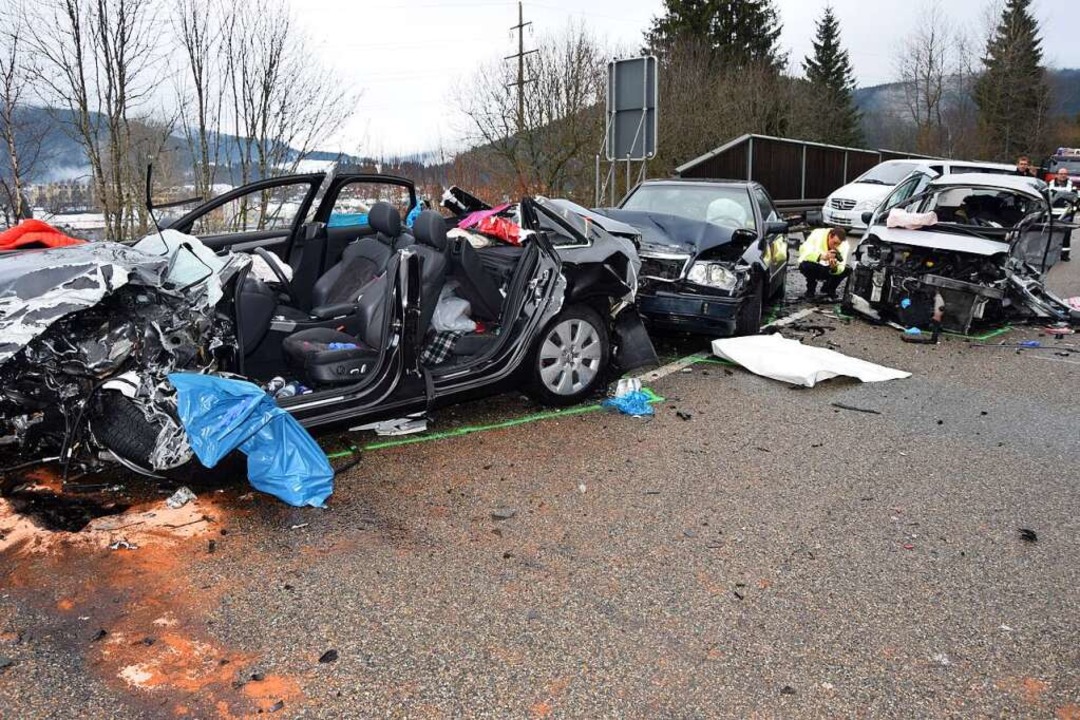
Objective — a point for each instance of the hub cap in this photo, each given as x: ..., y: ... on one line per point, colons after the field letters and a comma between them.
x: 570, y: 357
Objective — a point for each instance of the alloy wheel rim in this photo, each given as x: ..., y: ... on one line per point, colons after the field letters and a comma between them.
x: 570, y: 357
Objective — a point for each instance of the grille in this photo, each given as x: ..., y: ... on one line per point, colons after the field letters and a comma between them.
x: 669, y: 267
x: 841, y: 204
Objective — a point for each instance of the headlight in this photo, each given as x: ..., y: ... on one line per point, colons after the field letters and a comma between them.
x: 866, y: 205
x: 713, y: 275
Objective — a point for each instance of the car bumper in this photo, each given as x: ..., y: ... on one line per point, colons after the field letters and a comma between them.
x: 685, y: 312
x: 847, y: 219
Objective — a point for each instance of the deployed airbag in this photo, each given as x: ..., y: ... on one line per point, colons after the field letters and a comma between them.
x: 222, y: 414
x: 779, y: 358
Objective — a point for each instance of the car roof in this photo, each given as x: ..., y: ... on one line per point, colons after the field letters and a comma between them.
x: 1026, y: 185
x: 699, y: 181
x: 973, y: 164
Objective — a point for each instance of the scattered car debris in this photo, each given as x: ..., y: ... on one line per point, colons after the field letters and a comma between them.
x: 683, y: 415
x: 279, y: 705
x: 298, y: 526
x: 787, y: 690
x: 1028, y: 535
x: 99, y: 635
x: 780, y: 358
x: 329, y: 656
x: 503, y: 513
x: 845, y: 406
x: 180, y: 498
x: 5, y: 663
x: 123, y: 545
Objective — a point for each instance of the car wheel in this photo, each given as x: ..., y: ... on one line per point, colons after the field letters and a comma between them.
x: 571, y: 357
x: 120, y: 426
x: 749, y: 320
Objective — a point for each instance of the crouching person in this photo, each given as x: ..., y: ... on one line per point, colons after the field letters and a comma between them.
x: 821, y: 259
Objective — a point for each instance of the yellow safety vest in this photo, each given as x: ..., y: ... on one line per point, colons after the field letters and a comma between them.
x: 816, y: 246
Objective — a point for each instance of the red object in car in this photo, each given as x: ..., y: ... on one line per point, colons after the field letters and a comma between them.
x: 35, y: 234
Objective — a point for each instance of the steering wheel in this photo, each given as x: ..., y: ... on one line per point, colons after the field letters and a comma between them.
x: 272, y: 261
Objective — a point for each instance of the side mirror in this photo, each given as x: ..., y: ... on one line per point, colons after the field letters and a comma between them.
x: 868, y: 217
x: 776, y: 227
x: 814, y: 218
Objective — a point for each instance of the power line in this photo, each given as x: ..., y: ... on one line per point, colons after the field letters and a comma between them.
x: 521, y: 53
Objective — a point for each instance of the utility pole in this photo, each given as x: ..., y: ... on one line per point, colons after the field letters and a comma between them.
x: 521, y: 53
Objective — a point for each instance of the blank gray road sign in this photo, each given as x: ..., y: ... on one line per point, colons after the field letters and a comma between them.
x: 631, y: 108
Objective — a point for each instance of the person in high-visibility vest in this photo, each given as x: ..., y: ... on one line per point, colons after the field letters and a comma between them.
x: 822, y: 259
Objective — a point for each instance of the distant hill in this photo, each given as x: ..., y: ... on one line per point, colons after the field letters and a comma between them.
x: 62, y: 157
x: 889, y: 98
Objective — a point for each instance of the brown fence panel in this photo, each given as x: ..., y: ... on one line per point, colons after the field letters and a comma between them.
x: 730, y: 164
x: 824, y: 171
x: 778, y: 166
x: 858, y: 163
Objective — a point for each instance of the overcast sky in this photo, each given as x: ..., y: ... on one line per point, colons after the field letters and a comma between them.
x: 405, y: 56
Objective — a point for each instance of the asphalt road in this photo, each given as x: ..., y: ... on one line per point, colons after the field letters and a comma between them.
x: 771, y: 556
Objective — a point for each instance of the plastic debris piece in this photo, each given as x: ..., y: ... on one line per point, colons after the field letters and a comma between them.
x: 100, y: 634
x: 787, y: 690
x: 635, y: 403
x: 298, y: 526
x: 909, y: 546
x: 683, y: 415
x: 329, y: 656
x: 913, y: 331
x: 780, y: 358
x: 222, y: 414
x: 123, y: 545
x: 180, y: 498
x: 1028, y: 535
x: 503, y: 513
x: 1030, y: 344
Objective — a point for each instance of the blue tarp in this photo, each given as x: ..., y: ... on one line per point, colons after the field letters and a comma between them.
x: 221, y: 415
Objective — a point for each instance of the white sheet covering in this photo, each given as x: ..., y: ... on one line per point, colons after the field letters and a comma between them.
x: 779, y: 358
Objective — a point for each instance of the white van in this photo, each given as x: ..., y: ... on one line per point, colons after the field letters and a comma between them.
x: 845, y: 206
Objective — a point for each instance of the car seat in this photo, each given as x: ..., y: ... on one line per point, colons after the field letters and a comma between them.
x: 331, y: 357
x: 476, y: 283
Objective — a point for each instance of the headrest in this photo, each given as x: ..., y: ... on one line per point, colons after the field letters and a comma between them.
x: 429, y: 228
x: 384, y: 218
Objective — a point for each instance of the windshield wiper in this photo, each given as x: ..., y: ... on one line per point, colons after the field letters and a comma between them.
x: 874, y: 181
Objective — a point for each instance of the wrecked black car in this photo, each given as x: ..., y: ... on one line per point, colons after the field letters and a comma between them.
x: 712, y: 253
x: 972, y: 249
x: 311, y: 282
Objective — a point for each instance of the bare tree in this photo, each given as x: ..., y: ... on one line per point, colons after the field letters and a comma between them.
x: 98, y: 59
x: 563, y: 119
x: 281, y: 102
x: 22, y: 130
x: 924, y: 67
x: 199, y: 29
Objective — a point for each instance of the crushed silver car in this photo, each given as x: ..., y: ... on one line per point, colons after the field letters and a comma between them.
x: 978, y: 245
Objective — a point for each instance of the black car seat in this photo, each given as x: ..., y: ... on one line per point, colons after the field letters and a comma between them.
x: 361, y: 262
x: 332, y: 357
x: 477, y: 284
x: 429, y: 229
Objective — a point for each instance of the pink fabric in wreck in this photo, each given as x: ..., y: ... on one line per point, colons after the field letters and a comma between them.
x: 476, y: 216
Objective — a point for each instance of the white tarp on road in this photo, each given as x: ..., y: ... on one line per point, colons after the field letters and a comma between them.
x: 779, y: 358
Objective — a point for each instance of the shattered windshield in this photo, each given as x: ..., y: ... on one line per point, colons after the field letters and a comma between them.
x: 977, y: 206
x: 724, y: 205
x: 887, y: 173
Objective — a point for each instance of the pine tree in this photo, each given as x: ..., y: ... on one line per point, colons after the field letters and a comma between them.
x: 739, y: 32
x: 1013, y: 93
x: 833, y: 80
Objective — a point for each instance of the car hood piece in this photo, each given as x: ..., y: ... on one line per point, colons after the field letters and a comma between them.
x: 939, y: 240
x: 39, y: 287
x: 670, y: 233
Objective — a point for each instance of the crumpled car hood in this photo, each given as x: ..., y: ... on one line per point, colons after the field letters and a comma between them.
x: 670, y: 233
x: 39, y: 287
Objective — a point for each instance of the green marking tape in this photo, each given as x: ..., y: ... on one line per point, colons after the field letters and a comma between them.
x: 469, y: 430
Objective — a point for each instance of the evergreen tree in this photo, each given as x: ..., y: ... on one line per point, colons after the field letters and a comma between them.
x: 1013, y: 93
x: 739, y: 32
x: 832, y: 79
